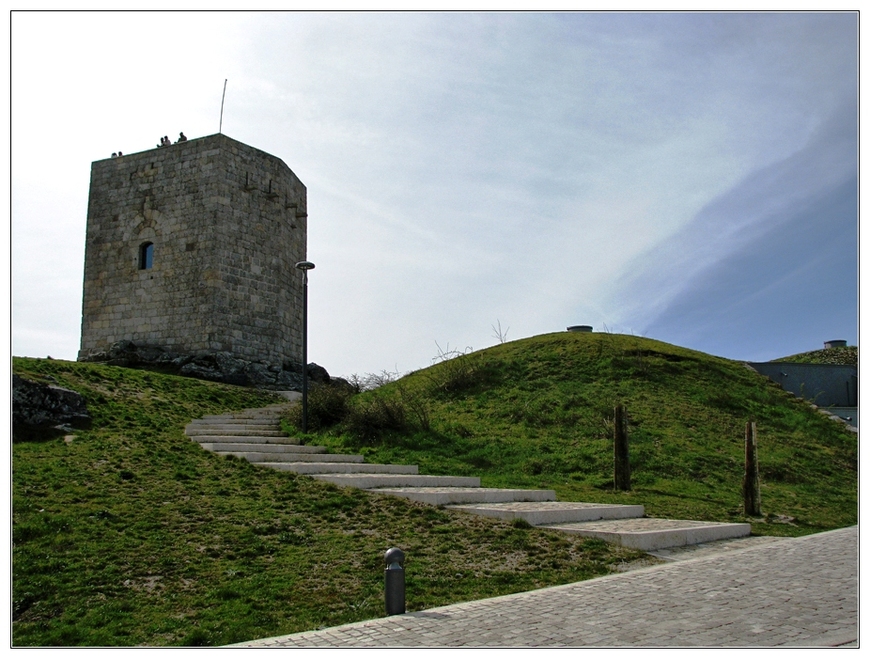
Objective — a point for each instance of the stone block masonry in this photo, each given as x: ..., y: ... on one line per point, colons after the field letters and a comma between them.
x: 192, y: 248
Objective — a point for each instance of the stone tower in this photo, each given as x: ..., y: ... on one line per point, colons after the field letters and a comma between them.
x: 191, y: 249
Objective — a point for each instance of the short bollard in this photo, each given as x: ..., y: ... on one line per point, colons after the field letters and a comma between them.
x: 394, y: 581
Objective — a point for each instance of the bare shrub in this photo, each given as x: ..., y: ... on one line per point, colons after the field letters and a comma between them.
x: 416, y: 406
x: 498, y: 333
x: 455, y: 370
x: 402, y: 408
x: 370, y: 381
x: 370, y: 417
x: 367, y: 417
x: 327, y: 405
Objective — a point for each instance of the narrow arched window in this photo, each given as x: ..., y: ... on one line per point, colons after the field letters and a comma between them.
x: 146, y: 256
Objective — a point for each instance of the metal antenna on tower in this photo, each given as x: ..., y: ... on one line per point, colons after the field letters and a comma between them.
x: 223, y: 96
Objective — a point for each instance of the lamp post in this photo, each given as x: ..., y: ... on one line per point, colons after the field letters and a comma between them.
x: 305, y: 266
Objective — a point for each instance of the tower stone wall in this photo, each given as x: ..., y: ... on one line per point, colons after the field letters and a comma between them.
x: 226, y: 224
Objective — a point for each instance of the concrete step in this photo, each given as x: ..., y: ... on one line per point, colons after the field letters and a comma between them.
x: 229, y: 421
x: 255, y: 435
x: 649, y: 533
x: 275, y: 407
x: 552, y: 512
x: 280, y: 466
x: 443, y: 496
x: 266, y: 414
x: 366, y: 482
x: 245, y: 439
x: 271, y: 458
x: 230, y: 429
x: 312, y: 468
x: 295, y: 449
x: 338, y: 461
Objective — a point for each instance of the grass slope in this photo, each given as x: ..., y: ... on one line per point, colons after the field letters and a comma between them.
x: 845, y: 356
x: 131, y: 534
x: 538, y: 412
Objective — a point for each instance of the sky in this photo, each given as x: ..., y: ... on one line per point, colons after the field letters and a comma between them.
x: 688, y: 177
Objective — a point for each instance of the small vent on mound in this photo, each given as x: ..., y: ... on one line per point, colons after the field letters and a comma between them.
x: 580, y: 328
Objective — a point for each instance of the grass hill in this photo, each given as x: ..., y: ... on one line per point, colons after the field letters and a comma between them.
x: 538, y: 412
x: 130, y: 534
x: 845, y: 356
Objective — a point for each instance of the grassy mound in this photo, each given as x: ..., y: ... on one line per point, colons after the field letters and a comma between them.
x: 539, y: 413
x: 844, y: 356
x: 130, y: 534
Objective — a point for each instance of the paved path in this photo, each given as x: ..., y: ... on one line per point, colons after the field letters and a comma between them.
x: 799, y: 592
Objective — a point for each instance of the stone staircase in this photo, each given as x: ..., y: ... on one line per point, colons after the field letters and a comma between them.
x: 256, y: 436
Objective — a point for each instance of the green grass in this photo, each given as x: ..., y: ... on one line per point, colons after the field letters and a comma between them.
x: 539, y: 413
x: 129, y: 534
x: 845, y: 356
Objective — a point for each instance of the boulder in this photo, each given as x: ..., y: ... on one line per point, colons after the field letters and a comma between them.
x: 317, y: 373
x: 38, y: 406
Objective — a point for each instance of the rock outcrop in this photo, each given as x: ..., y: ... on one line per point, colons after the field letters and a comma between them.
x: 38, y: 407
x: 214, y: 366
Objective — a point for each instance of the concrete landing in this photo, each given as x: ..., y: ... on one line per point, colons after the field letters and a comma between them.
x: 649, y: 533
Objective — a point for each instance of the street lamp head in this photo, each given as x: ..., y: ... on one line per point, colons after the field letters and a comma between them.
x: 305, y: 265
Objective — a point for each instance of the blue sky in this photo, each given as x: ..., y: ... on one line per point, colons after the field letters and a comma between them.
x: 690, y: 177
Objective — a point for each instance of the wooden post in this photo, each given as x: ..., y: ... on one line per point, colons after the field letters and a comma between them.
x: 621, y: 468
x: 751, y: 490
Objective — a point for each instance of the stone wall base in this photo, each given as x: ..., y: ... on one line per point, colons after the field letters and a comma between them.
x: 214, y: 366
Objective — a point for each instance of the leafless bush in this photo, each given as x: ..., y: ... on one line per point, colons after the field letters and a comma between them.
x: 498, y: 334
x: 327, y: 406
x: 416, y: 405
x: 365, y: 417
x: 370, y: 381
x: 370, y: 417
x: 455, y: 370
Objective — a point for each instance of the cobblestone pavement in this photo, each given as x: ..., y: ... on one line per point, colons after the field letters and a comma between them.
x: 713, y: 548
x: 797, y: 592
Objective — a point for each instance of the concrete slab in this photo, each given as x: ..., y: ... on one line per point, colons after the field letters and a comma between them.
x: 648, y: 533
x: 442, y: 496
x: 245, y: 439
x: 338, y: 467
x: 230, y: 447
x: 366, y: 482
x: 552, y: 512
x: 229, y: 419
x: 230, y: 429
x: 273, y: 416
